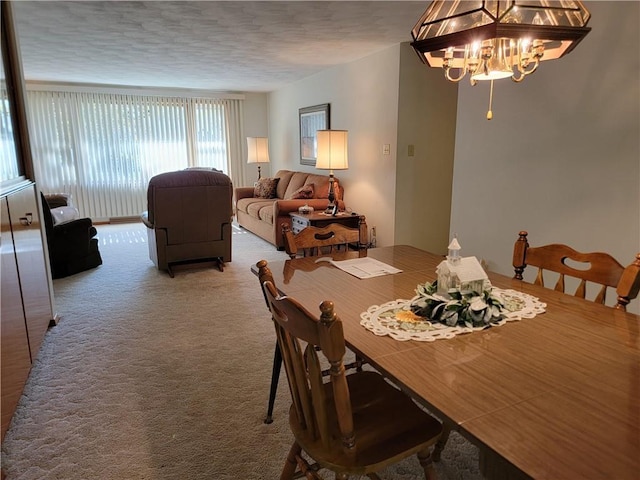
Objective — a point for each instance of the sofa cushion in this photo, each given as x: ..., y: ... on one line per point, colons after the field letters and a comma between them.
x: 283, y: 183
x: 257, y: 208
x: 266, y: 214
x: 298, y: 179
x: 252, y: 205
x: 304, y: 192
x: 254, y: 208
x: 265, y: 188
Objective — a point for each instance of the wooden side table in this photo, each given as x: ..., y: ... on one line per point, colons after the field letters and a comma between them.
x: 299, y: 221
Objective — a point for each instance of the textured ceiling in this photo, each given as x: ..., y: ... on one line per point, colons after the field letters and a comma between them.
x: 229, y: 45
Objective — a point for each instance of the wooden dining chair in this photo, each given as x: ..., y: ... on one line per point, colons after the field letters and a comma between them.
x: 353, y: 424
x: 264, y: 273
x: 314, y: 241
x: 597, y: 268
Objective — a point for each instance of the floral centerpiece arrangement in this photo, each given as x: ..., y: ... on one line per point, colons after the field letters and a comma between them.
x: 461, y: 300
x: 466, y: 309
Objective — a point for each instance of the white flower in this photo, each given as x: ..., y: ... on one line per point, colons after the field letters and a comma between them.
x: 477, y: 304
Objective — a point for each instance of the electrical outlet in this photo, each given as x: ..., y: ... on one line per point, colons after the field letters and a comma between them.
x: 372, y: 240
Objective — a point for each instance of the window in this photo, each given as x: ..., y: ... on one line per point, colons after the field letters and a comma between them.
x: 103, y: 148
x: 9, y: 165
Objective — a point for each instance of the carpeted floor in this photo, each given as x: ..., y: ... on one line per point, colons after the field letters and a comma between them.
x: 149, y: 377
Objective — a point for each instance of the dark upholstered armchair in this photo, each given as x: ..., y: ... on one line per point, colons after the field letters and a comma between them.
x: 189, y: 217
x: 73, y: 247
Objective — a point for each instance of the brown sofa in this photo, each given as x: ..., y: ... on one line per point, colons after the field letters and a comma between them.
x: 189, y: 217
x: 265, y: 216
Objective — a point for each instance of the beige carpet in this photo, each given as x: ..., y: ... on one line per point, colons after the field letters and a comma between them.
x: 149, y: 377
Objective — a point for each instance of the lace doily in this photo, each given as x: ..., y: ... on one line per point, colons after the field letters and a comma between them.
x: 395, y: 318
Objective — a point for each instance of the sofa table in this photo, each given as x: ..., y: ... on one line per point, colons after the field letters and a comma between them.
x: 300, y: 221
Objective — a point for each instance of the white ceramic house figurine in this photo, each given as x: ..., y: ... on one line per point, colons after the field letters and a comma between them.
x: 461, y: 273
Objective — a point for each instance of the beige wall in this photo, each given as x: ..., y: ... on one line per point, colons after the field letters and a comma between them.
x: 426, y: 120
x: 364, y: 100
x: 561, y: 156
x: 255, y: 124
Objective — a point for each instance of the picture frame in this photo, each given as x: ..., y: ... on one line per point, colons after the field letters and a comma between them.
x: 312, y: 119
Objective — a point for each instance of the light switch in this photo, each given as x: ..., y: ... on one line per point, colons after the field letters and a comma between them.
x: 411, y: 150
x: 386, y: 149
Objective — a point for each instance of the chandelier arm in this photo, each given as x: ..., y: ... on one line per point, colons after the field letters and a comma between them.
x: 520, y: 78
x: 448, y: 76
x: 524, y: 71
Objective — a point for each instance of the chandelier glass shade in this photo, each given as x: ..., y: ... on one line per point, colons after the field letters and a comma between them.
x: 490, y: 40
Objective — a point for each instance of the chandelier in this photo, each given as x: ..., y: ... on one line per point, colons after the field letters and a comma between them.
x: 490, y: 40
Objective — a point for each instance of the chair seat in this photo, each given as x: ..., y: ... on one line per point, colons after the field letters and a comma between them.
x: 382, y: 435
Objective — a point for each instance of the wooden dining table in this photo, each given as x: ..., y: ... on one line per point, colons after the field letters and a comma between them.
x: 556, y: 396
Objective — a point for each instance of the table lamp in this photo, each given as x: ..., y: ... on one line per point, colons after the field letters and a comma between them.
x: 332, y: 155
x: 257, y: 151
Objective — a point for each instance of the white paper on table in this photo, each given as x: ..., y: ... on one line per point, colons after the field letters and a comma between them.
x: 364, y: 267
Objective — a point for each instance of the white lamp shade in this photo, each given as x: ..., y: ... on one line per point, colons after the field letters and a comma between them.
x: 332, y: 150
x: 257, y: 150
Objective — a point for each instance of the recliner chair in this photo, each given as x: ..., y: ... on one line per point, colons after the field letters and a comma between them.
x: 189, y: 217
x: 72, y: 246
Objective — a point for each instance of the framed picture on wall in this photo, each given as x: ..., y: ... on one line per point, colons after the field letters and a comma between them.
x: 312, y: 119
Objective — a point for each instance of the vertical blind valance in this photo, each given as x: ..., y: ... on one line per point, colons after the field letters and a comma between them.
x: 103, y: 148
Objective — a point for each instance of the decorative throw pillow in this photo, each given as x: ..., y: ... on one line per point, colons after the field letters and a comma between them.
x: 64, y: 214
x: 265, y: 188
x: 306, y: 191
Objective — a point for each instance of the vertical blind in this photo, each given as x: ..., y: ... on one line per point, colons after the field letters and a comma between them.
x: 103, y: 148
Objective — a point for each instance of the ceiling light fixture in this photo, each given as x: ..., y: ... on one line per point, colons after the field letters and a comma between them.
x: 490, y: 40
